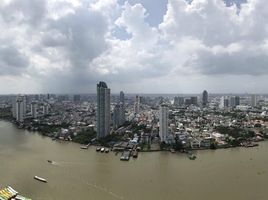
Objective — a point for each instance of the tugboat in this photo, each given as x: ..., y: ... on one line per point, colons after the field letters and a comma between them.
x: 191, y: 156
x: 135, y: 154
x: 125, y: 156
x: 40, y: 179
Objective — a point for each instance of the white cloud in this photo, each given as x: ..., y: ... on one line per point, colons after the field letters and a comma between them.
x: 67, y: 46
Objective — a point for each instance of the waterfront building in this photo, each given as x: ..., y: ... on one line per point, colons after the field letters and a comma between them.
x: 205, y: 98
x: 103, y: 110
x: 163, y: 123
x: 20, y: 108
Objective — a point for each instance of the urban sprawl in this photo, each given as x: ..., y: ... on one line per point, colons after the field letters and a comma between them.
x: 142, y: 122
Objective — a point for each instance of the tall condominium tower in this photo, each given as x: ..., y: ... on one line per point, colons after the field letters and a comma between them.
x: 163, y: 122
x: 137, y: 105
x: 122, y: 97
x: 34, y: 107
x: 205, y: 98
x: 103, y: 110
x: 253, y: 100
x: 20, y: 108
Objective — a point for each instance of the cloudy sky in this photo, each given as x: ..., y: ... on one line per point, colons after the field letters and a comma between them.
x: 139, y: 46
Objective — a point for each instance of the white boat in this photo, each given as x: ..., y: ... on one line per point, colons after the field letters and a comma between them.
x: 102, y: 150
x: 107, y: 150
x: 40, y: 179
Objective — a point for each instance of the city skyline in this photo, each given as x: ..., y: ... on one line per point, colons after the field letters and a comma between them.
x: 57, y: 47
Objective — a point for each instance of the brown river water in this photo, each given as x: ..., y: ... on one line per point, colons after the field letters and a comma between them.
x: 235, y: 174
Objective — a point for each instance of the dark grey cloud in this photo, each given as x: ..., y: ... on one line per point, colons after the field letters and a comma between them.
x: 12, y: 62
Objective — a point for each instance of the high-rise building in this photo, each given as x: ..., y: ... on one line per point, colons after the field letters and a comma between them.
x: 20, y: 108
x: 103, y: 110
x: 45, y: 109
x: 163, y: 123
x: 116, y: 116
x: 237, y: 100
x: 205, y: 98
x: 34, y: 107
x: 232, y: 101
x: 122, y: 97
x: 77, y: 98
x: 137, y: 105
x: 194, y: 101
x: 122, y: 108
x: 253, y: 100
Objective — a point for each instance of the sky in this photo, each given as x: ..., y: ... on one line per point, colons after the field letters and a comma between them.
x: 138, y: 46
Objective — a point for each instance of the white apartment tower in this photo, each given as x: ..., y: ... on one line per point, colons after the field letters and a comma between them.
x: 163, y: 123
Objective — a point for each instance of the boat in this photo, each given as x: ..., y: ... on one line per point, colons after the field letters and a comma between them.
x: 19, y: 197
x: 40, y: 179
x: 172, y: 150
x: 107, y: 150
x: 50, y: 161
x: 98, y: 149
x: 135, y: 154
x: 125, y: 156
x: 84, y: 147
x: 102, y: 150
x: 7, y: 193
x: 191, y: 156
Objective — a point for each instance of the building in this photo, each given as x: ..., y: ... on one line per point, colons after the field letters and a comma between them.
x: 45, y: 108
x: 253, y: 100
x: 122, y: 108
x: 178, y: 101
x: 163, y: 123
x: 137, y: 105
x: 116, y: 116
x: 34, y: 107
x: 122, y: 97
x: 237, y: 100
x: 77, y: 98
x: 103, y: 110
x: 205, y: 98
x: 232, y: 101
x: 194, y: 101
x: 20, y: 108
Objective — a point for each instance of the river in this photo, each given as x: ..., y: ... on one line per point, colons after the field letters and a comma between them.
x: 239, y: 173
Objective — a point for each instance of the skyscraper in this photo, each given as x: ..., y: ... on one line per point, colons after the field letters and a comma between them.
x: 122, y: 108
x: 253, y: 100
x: 163, y: 122
x: 20, y: 109
x: 116, y: 116
x: 122, y: 97
x: 137, y: 105
x: 103, y: 110
x: 205, y: 98
x: 237, y: 100
x: 34, y: 106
